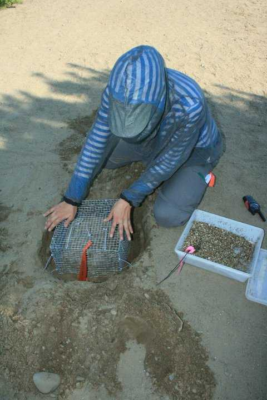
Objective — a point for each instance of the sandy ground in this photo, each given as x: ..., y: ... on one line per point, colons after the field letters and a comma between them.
x: 55, y: 60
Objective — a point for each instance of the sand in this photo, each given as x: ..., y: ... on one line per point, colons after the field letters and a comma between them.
x: 55, y: 61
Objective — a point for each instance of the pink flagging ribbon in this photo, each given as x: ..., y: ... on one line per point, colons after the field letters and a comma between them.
x: 188, y: 250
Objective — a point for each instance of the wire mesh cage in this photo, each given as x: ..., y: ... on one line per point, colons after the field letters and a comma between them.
x: 105, y: 256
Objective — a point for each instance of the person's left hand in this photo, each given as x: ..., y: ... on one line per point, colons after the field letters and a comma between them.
x: 59, y: 213
x: 121, y: 214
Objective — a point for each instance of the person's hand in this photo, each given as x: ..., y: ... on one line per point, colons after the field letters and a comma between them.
x: 58, y: 213
x: 121, y: 214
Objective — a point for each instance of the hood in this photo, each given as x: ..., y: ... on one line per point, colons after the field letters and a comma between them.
x: 137, y: 93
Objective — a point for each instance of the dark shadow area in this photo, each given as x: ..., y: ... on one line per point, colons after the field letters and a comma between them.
x: 240, y: 116
x: 233, y: 109
x: 45, y: 116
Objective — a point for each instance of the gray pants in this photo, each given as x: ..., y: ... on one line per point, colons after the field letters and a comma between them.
x: 177, y: 197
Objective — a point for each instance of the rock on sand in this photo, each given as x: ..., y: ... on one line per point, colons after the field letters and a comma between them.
x: 46, y: 382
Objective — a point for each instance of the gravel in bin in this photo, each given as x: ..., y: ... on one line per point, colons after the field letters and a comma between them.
x: 220, y: 246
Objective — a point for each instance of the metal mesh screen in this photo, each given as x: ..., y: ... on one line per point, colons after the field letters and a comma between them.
x: 106, y: 255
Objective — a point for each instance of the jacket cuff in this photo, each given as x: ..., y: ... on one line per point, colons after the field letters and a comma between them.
x: 71, y: 202
x: 125, y: 199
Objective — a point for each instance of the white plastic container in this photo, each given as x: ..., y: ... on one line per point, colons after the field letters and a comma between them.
x: 249, y: 232
x: 257, y: 284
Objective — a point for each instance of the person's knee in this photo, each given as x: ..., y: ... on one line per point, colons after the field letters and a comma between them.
x: 169, y: 216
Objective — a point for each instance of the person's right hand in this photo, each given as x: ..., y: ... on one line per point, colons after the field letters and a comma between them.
x: 60, y: 212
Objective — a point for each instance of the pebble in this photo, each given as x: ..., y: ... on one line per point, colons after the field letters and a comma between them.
x: 113, y: 285
x: 171, y: 377
x: 46, y: 382
x: 52, y: 329
x: 113, y: 312
x: 147, y: 296
x: 237, y: 250
x: 80, y: 379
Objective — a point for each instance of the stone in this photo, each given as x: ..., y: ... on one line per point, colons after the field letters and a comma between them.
x: 113, y: 312
x: 171, y: 377
x: 112, y: 285
x: 80, y: 379
x: 46, y: 382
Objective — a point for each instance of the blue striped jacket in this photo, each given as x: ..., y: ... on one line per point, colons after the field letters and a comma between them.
x: 180, y: 122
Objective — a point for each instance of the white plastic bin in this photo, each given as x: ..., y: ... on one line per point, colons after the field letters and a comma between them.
x: 257, y: 284
x: 249, y: 232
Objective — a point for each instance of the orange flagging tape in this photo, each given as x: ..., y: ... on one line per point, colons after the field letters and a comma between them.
x: 83, y: 266
x: 212, y: 180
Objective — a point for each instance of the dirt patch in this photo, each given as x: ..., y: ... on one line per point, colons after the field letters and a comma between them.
x: 80, y: 330
x: 4, y: 212
x: 220, y: 246
x: 44, y: 250
x: 4, y: 246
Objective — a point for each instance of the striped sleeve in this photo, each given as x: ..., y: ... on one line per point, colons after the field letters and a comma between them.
x: 92, y: 154
x: 183, y: 141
